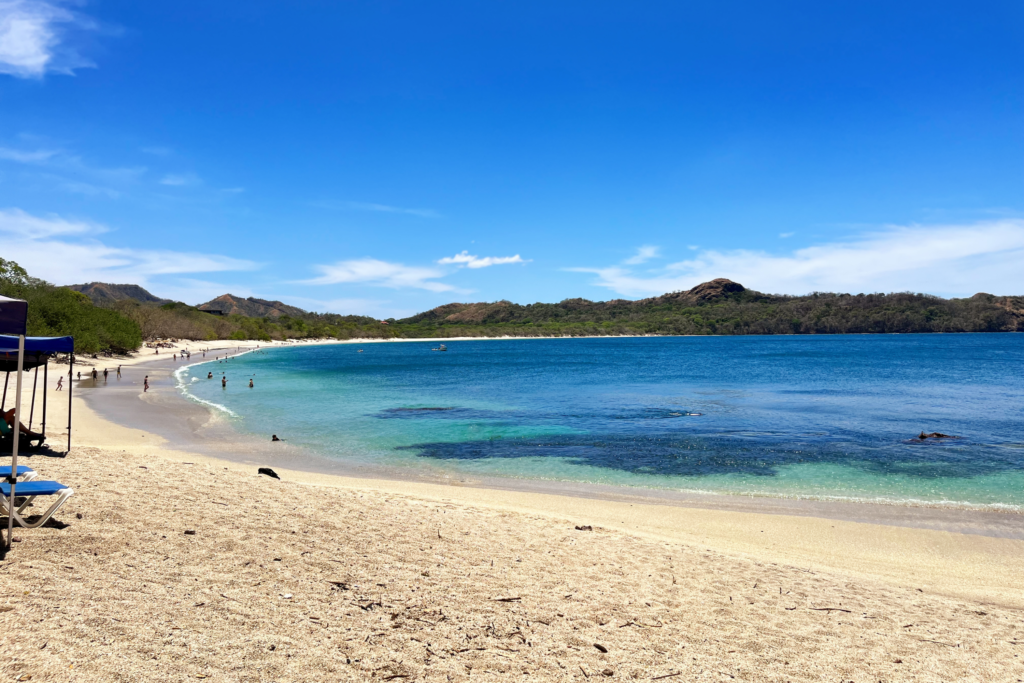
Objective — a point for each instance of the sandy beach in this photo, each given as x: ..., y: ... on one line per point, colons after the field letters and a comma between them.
x: 180, y: 563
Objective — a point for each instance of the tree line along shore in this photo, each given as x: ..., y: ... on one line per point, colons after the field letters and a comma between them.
x: 119, y: 318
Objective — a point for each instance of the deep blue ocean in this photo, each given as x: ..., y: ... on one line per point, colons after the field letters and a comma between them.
x: 828, y: 417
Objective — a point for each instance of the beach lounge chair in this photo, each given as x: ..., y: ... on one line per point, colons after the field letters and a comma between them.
x: 32, y: 490
x: 24, y: 473
x: 6, y: 434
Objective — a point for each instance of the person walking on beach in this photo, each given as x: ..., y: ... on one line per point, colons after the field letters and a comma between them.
x: 79, y: 375
x: 119, y: 372
x: 105, y: 373
x: 145, y: 384
x: 95, y: 375
x: 60, y: 383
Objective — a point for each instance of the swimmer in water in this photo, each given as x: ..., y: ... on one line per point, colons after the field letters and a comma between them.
x: 274, y: 438
x: 250, y: 384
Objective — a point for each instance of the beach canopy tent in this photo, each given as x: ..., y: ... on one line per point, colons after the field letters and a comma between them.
x: 37, y: 353
x: 17, y: 354
x: 14, y: 320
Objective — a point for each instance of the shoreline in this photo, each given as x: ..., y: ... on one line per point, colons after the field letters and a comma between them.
x: 961, y: 553
x: 172, y: 563
x: 222, y: 441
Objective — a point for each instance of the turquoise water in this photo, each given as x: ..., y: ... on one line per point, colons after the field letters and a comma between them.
x: 809, y: 416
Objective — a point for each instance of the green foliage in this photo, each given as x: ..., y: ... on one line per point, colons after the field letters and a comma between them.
x: 55, y: 311
x: 58, y: 312
x: 745, y: 312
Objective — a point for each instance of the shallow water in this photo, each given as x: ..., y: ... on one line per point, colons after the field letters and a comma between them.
x: 808, y: 416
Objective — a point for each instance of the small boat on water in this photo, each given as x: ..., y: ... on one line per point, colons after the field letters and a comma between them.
x: 442, y: 347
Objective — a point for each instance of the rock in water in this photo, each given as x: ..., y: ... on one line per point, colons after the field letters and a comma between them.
x: 936, y: 435
x: 269, y: 472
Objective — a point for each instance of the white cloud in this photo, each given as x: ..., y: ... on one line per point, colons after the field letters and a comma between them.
x: 66, y: 251
x: 19, y: 224
x: 23, y: 157
x: 785, y: 235
x: 34, y: 38
x: 948, y: 260
x: 382, y: 208
x: 378, y: 273
x: 468, y: 260
x: 376, y: 308
x: 180, y: 179
x: 644, y: 253
x: 88, y: 189
x: 58, y: 164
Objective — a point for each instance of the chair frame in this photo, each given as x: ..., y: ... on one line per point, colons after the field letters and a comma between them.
x: 62, y: 497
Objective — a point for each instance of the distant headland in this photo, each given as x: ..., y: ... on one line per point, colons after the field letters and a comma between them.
x: 119, y: 317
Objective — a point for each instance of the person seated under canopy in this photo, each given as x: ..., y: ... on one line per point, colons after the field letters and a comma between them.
x: 9, y: 422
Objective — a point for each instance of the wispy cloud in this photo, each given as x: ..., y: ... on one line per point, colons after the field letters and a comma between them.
x: 34, y: 38
x: 350, y: 306
x: 643, y: 254
x: 69, y: 172
x: 468, y: 260
x: 25, y: 156
x: 180, y: 179
x: 67, y: 251
x: 381, y: 208
x: 949, y: 260
x: 786, y: 235
x: 88, y: 189
x: 378, y: 273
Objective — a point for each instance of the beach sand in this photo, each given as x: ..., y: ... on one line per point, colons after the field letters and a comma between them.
x: 318, y: 578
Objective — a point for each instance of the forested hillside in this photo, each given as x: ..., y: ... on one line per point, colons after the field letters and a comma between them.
x: 725, y: 307
x: 716, y: 307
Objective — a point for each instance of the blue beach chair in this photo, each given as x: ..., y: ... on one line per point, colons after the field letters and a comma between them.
x: 32, y: 490
x: 24, y: 473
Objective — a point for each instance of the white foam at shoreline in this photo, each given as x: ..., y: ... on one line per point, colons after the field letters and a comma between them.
x: 187, y: 394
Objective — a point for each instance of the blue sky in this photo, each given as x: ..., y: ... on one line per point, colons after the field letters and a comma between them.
x: 387, y: 157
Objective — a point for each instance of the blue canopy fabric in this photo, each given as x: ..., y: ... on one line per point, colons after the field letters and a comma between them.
x: 37, y: 351
x: 38, y: 344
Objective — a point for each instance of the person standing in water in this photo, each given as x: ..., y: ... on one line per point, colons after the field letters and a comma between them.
x: 224, y: 382
x: 95, y: 375
x: 119, y: 372
x: 145, y: 384
x: 250, y: 384
x: 106, y: 372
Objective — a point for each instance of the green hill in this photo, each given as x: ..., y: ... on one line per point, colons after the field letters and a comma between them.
x: 724, y: 307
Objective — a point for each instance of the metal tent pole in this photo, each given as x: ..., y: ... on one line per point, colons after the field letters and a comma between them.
x: 3, y: 402
x: 46, y: 367
x: 13, y: 478
x: 32, y: 405
x: 71, y: 389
